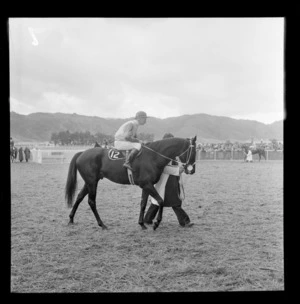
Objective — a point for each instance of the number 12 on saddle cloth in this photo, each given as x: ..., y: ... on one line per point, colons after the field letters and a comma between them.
x: 160, y: 186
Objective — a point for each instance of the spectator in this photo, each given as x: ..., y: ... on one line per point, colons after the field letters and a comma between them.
x: 21, y: 154
x: 249, y: 157
x: 27, y: 153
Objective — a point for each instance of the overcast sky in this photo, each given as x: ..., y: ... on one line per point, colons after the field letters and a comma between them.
x: 167, y: 67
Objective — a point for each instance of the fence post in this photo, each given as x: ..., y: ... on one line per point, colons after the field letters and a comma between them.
x: 267, y: 154
x: 39, y: 156
x: 215, y: 154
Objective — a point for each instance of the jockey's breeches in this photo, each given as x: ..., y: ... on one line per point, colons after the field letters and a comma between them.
x: 127, y: 145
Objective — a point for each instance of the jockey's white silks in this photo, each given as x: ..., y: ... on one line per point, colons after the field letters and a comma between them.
x: 160, y: 186
x: 127, y: 145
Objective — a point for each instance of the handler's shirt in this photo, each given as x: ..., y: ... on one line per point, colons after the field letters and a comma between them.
x: 128, y: 129
x: 160, y: 186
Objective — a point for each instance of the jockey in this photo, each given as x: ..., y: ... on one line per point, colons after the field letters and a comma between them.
x: 126, y: 137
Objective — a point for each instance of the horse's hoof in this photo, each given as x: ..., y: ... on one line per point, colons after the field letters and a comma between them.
x: 143, y: 226
x: 104, y: 227
x: 155, y: 226
x: 70, y: 223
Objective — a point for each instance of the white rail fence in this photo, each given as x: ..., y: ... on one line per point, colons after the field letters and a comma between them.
x: 237, y: 155
x: 64, y: 156
x: 52, y: 156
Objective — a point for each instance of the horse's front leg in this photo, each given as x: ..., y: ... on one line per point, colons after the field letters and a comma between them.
x: 159, y: 217
x: 144, y: 200
x: 148, y: 189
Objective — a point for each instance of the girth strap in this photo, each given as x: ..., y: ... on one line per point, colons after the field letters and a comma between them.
x: 130, y: 177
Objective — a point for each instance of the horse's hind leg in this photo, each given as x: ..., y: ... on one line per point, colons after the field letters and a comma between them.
x: 159, y: 217
x: 81, y: 195
x: 92, y: 203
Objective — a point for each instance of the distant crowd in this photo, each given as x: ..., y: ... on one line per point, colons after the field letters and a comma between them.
x: 21, y: 154
x: 210, y: 147
x: 24, y: 153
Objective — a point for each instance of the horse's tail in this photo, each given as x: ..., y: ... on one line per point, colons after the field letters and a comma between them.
x: 71, y: 184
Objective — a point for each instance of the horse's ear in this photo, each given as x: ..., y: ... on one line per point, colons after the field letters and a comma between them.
x: 195, y: 138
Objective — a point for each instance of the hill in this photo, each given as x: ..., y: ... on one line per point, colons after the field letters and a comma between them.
x: 208, y: 128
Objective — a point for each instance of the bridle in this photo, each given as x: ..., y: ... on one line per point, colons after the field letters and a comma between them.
x: 188, y: 150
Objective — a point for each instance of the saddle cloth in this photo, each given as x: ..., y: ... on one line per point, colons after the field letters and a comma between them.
x: 115, y: 154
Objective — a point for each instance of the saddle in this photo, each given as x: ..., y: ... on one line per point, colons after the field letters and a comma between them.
x: 115, y: 154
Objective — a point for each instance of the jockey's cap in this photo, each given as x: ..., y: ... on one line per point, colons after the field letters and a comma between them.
x: 141, y: 114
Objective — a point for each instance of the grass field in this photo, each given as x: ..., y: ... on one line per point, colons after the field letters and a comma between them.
x: 236, y: 243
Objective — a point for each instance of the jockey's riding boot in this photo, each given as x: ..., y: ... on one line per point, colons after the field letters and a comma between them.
x: 129, y: 159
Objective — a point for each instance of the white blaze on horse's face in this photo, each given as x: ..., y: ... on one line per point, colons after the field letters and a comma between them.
x: 189, y: 156
x: 189, y: 168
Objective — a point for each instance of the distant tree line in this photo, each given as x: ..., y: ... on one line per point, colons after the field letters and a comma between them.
x: 86, y: 138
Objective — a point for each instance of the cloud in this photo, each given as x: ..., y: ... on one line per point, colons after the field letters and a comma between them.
x: 152, y: 103
x: 219, y: 66
x: 20, y: 107
x: 267, y: 118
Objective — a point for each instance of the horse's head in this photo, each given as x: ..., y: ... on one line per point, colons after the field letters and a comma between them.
x: 174, y: 148
x: 188, y: 157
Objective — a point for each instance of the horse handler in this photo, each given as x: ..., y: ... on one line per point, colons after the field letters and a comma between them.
x: 169, y: 187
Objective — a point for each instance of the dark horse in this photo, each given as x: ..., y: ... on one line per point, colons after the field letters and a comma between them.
x: 260, y: 151
x: 96, y: 163
x: 13, y: 153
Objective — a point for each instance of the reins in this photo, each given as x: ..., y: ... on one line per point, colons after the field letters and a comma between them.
x: 166, y: 157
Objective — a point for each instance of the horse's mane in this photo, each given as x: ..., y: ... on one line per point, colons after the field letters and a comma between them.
x: 157, y: 144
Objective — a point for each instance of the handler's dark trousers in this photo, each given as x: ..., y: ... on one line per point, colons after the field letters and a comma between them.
x: 182, y: 216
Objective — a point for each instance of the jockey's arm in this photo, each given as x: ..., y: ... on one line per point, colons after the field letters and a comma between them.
x: 130, y: 135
